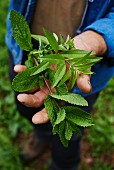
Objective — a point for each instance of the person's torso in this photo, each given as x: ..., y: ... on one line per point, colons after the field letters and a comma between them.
x: 61, y: 17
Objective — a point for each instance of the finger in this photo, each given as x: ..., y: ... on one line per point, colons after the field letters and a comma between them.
x: 83, y: 83
x: 34, y: 100
x: 40, y: 117
x: 19, y: 68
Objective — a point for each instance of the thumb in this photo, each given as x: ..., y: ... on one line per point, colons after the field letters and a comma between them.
x: 83, y: 83
x: 19, y: 68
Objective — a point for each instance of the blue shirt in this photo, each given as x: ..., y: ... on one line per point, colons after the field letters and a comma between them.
x: 98, y: 16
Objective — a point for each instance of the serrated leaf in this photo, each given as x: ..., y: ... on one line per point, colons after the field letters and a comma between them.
x: 21, y: 31
x: 68, y: 131
x: 41, y: 67
x: 61, y: 90
x: 75, y: 99
x: 42, y: 38
x: 51, y: 109
x: 60, y: 116
x: 59, y: 74
x: 52, y: 40
x: 55, y: 129
x: 65, y: 77
x: 24, y: 82
x: 75, y: 129
x: 78, y: 116
x: 62, y: 134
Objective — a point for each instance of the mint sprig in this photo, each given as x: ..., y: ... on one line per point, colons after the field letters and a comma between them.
x: 64, y: 119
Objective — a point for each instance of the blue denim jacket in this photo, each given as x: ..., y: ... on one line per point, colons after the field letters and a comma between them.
x: 98, y: 16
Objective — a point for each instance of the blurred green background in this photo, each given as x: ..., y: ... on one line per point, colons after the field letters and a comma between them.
x: 97, y: 143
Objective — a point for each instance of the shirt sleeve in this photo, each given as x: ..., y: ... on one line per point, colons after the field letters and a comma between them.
x: 105, y: 27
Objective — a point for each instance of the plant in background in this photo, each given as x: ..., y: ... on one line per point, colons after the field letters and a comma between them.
x: 70, y: 63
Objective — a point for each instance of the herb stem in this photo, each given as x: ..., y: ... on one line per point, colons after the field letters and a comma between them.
x: 46, y: 83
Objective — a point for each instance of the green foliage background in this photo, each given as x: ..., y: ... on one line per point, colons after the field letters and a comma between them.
x: 100, y: 136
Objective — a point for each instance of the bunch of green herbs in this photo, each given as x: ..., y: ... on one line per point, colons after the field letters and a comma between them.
x: 53, y: 50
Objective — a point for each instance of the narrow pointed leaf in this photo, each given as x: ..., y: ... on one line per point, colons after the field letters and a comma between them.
x: 59, y: 74
x: 65, y: 77
x: 43, y: 66
x: 42, y: 38
x: 52, y: 40
x: 73, y: 78
x: 55, y: 58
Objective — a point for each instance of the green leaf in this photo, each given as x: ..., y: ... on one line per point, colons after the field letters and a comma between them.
x: 68, y: 131
x: 41, y: 67
x: 61, y: 90
x: 78, y: 116
x: 40, y: 37
x: 21, y: 31
x: 56, y: 37
x: 24, y: 82
x: 50, y: 74
x: 51, y: 109
x: 55, y: 58
x: 60, y: 116
x: 75, y: 129
x: 55, y: 129
x: 62, y: 134
x: 87, y: 72
x: 59, y: 74
x: 41, y: 83
x: 30, y: 62
x: 65, y: 77
x: 73, y: 78
x: 62, y: 47
x: 52, y: 40
x: 75, y: 99
x: 61, y: 39
x: 74, y: 53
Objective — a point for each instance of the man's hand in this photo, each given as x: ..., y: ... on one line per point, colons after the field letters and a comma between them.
x: 90, y: 41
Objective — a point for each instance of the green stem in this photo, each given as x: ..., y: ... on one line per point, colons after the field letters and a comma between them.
x: 46, y: 83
